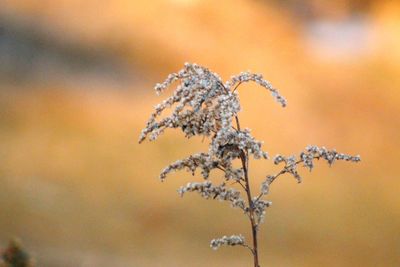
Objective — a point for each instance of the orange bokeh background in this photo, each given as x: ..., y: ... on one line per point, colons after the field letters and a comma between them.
x: 76, y: 81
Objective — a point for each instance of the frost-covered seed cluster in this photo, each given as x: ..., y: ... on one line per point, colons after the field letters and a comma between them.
x: 203, y: 105
x: 314, y: 152
x: 209, y: 191
x: 266, y: 183
x: 306, y: 157
x: 260, y: 206
x: 200, y: 160
x: 257, y: 78
x: 230, y: 143
x: 233, y: 240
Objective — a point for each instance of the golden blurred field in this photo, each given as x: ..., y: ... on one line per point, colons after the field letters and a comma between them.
x: 76, y: 81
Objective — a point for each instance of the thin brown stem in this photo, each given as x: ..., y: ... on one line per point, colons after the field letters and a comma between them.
x: 272, y: 179
x: 247, y: 246
x: 283, y: 171
x: 237, y: 123
x: 237, y: 181
x: 244, y: 160
x: 221, y: 168
x: 237, y: 86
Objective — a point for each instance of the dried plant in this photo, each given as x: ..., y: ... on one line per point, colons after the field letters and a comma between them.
x: 202, y: 105
x: 15, y: 256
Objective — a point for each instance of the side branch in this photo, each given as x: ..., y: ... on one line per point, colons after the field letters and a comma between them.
x: 271, y: 178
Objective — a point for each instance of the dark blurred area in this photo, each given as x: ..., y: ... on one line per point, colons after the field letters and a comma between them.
x: 30, y: 53
x: 76, y: 81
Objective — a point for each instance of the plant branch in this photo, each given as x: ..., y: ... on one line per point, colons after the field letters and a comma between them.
x: 247, y: 246
x: 244, y: 160
x: 237, y: 181
x: 283, y: 171
x: 237, y: 86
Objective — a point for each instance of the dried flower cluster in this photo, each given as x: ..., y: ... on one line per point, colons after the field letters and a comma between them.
x: 203, y: 105
x: 233, y: 240
x: 220, y: 192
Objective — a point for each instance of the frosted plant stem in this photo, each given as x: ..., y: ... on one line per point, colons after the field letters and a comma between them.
x: 251, y: 210
x: 244, y: 159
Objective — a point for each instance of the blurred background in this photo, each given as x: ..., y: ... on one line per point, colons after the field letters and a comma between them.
x: 76, y: 87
